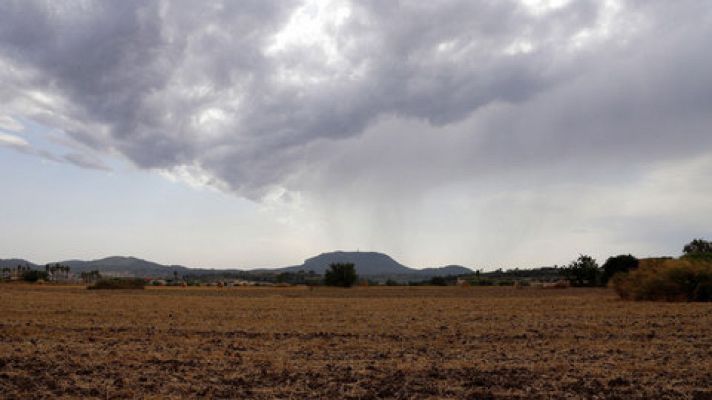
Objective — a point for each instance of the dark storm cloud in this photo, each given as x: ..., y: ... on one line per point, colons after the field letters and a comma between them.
x: 621, y: 106
x: 216, y: 87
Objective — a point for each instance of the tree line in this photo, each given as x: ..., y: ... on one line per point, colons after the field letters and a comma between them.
x: 26, y: 273
x: 582, y: 272
x: 585, y: 271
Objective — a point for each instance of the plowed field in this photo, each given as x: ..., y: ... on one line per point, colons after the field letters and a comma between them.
x: 362, y: 343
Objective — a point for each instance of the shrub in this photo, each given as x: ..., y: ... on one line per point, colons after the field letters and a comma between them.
x: 668, y: 280
x: 343, y: 275
x: 703, y: 291
x: 618, y: 264
x: 34, y: 275
x: 118, y: 283
x: 438, y: 281
x: 582, y: 272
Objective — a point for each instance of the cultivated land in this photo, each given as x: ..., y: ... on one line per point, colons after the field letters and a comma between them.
x: 378, y: 342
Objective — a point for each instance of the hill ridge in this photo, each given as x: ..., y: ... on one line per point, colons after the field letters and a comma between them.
x: 368, y: 263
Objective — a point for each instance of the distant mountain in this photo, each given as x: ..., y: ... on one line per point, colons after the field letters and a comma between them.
x: 14, y: 262
x: 126, y: 266
x: 368, y: 264
x: 373, y: 264
x: 446, y: 270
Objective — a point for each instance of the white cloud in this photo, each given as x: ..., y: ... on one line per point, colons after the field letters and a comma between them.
x: 192, y: 175
x: 9, y: 124
x: 539, y: 7
x: 13, y: 141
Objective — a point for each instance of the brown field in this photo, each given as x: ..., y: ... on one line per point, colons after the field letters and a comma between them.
x: 377, y: 342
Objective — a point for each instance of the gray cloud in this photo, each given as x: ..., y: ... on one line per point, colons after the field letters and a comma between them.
x: 496, y: 87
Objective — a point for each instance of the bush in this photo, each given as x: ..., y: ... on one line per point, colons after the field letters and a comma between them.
x: 343, y: 275
x: 618, y: 264
x: 668, y: 280
x: 118, y: 283
x: 34, y: 275
x: 583, y: 272
x: 482, y: 282
x: 438, y: 281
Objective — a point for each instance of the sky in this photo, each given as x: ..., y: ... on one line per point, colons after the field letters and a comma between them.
x: 508, y: 133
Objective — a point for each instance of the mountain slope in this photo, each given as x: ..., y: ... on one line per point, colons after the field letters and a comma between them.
x: 446, y: 270
x: 14, y: 262
x: 367, y: 263
x: 131, y: 266
x: 373, y: 264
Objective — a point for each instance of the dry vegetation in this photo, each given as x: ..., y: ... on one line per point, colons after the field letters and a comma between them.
x: 685, y: 279
x: 377, y: 342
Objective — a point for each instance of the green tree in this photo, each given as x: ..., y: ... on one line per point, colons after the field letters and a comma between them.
x: 618, y: 264
x: 341, y: 274
x: 698, y: 248
x: 582, y: 272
